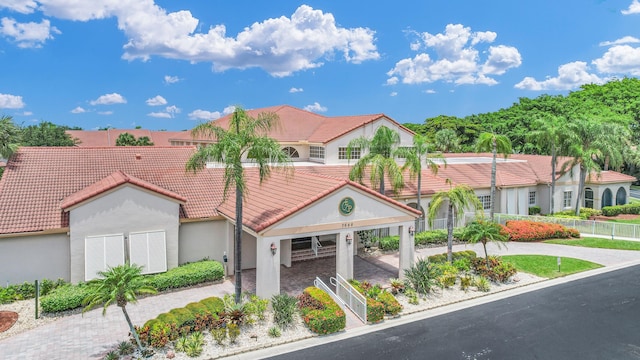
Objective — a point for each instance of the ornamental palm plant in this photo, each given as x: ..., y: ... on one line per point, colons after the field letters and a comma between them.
x: 484, y: 232
x: 496, y: 144
x: 118, y: 285
x: 246, y: 138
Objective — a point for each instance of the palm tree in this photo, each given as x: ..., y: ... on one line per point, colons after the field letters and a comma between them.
x: 246, y: 138
x: 484, y: 232
x: 496, y: 144
x: 9, y: 136
x: 118, y: 285
x: 414, y: 159
x: 380, y: 154
x: 458, y: 199
x: 447, y: 141
x: 549, y: 135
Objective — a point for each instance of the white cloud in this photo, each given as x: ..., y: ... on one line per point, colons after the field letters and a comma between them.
x: 108, y: 99
x: 173, y: 109
x: 620, y: 59
x: 455, y: 58
x: 21, y: 6
x: 570, y: 76
x: 160, y: 115
x: 316, y: 107
x: 28, y: 35
x: 105, y: 112
x: 171, y: 79
x: 8, y: 101
x: 393, y: 93
x: 634, y: 8
x: 430, y: 91
x: 295, y: 90
x: 204, y: 115
x: 280, y: 45
x: 228, y: 110
x: 156, y: 101
x: 78, y: 110
x: 623, y: 40
x: 27, y: 113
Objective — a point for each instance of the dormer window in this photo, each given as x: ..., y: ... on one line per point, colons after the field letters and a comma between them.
x: 292, y: 152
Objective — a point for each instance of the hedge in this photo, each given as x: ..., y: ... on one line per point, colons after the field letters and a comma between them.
x: 621, y: 209
x: 69, y: 297
x: 326, y: 321
x: 524, y: 230
x: 442, y: 258
x: 421, y: 238
x: 383, y: 301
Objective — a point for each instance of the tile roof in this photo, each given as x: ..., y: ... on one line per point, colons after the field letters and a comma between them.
x: 606, y: 177
x: 113, y: 181
x: 261, y: 209
x: 302, y: 125
x: 90, y: 138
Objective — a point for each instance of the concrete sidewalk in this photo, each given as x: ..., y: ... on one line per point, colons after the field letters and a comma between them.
x: 89, y: 336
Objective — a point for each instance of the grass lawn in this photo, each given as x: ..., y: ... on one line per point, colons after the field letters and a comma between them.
x: 547, y: 266
x: 625, y: 221
x: 600, y: 243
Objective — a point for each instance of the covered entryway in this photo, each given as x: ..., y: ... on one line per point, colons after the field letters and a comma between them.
x: 320, y: 207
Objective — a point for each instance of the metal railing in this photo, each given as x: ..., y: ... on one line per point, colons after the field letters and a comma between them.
x: 322, y: 286
x: 355, y: 301
x: 586, y: 227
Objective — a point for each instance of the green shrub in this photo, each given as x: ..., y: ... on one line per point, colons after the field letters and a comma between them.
x: 466, y: 281
x: 483, y: 284
x: 633, y: 208
x: 375, y: 310
x: 187, y: 275
x: 498, y: 270
x: 112, y: 355
x: 326, y: 321
x: 385, y: 302
x: 125, y: 348
x: 534, y: 210
x: 284, y: 307
x: 456, y: 255
x: 64, y: 298
x: 186, y: 320
x: 27, y: 290
x: 219, y: 334
x: 256, y: 307
x: 275, y: 332
x: 448, y: 274
x: 389, y: 242
x: 422, y: 276
x: 585, y: 213
x: 463, y: 264
x: 391, y: 305
x: 214, y: 304
x: 193, y: 344
x: 421, y: 238
x: 197, y: 308
x: 411, y: 295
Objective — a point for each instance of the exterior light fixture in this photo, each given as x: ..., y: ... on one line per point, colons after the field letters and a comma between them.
x: 412, y: 230
x: 349, y: 239
x: 274, y: 249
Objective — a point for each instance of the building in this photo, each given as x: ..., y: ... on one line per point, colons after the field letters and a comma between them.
x: 68, y: 212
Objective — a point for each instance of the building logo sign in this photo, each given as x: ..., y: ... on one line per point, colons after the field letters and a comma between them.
x: 347, y: 205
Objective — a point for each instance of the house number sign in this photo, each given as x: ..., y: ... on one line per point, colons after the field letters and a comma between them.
x: 346, y: 206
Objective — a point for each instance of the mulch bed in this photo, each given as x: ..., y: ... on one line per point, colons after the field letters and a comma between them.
x: 7, y: 319
x: 620, y: 217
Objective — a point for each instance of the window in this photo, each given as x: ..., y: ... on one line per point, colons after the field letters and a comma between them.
x: 292, y: 152
x: 100, y: 252
x: 485, y: 200
x: 532, y: 197
x: 566, y: 202
x: 316, y: 152
x: 588, y: 198
x: 149, y: 250
x: 342, y: 153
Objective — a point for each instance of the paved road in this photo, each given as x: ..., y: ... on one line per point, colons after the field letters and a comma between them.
x: 591, y: 318
x: 634, y: 193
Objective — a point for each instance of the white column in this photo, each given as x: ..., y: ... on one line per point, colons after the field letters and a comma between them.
x: 344, y: 254
x: 230, y: 233
x: 285, y: 254
x: 267, y: 267
x: 407, y: 248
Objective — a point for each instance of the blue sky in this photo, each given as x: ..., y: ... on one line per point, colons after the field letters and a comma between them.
x: 172, y: 64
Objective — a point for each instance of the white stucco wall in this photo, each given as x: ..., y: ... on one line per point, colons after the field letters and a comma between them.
x: 125, y: 210
x: 203, y: 239
x: 27, y: 258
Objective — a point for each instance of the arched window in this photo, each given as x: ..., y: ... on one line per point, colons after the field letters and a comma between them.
x: 588, y: 198
x: 606, y: 198
x: 621, y: 196
x: 292, y: 152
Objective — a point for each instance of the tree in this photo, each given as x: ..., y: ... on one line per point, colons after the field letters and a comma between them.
x: 447, y: 141
x: 549, y: 135
x: 46, y: 134
x: 126, y: 139
x: 9, y: 136
x: 458, y: 199
x: 118, y: 285
x: 245, y: 138
x: 379, y: 152
x: 415, y: 156
x: 496, y: 144
x: 484, y: 231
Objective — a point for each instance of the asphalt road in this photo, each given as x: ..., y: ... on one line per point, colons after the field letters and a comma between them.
x: 634, y: 193
x: 593, y: 318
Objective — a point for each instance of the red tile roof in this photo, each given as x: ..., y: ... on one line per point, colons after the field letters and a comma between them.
x: 301, y: 125
x: 113, y: 181
x: 606, y: 177
x: 92, y: 138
